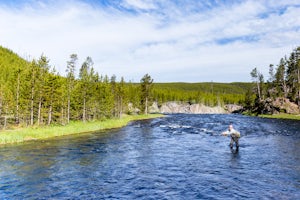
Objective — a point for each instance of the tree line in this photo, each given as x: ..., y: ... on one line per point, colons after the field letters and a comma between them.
x: 34, y: 93
x: 283, y: 82
x: 209, y: 94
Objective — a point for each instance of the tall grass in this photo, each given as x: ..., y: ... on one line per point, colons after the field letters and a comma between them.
x: 282, y: 116
x: 37, y: 133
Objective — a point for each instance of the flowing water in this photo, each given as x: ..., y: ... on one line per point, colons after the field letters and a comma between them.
x: 176, y: 157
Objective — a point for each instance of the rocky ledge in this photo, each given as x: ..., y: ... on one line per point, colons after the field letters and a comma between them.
x: 278, y: 105
x: 178, y: 107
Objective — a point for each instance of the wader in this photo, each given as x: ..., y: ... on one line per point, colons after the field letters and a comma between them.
x: 234, y: 139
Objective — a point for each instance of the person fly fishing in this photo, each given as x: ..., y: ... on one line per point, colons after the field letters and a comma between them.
x: 235, y: 136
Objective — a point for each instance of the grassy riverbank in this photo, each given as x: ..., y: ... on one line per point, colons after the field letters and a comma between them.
x: 39, y: 133
x: 282, y: 116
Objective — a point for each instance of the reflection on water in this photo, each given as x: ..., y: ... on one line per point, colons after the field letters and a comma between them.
x: 177, y: 157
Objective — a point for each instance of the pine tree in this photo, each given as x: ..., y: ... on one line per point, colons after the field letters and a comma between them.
x: 146, y: 87
x: 33, y: 71
x: 293, y: 76
x: 280, y: 79
x: 42, y: 75
x: 71, y: 65
x: 258, y: 79
x: 52, y: 101
x: 18, y: 83
x: 121, y: 96
x: 106, y: 98
x: 114, y: 90
x: 85, y: 75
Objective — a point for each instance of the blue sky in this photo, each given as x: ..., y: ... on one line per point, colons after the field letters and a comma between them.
x: 172, y: 40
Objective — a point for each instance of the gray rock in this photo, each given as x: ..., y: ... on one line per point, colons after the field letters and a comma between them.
x: 178, y: 107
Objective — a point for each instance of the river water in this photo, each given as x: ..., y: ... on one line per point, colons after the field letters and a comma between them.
x: 176, y: 157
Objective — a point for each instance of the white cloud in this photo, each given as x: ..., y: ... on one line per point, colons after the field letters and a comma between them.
x: 140, y: 4
x: 171, y: 42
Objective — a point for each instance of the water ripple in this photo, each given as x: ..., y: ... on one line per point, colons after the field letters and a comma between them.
x: 177, y: 157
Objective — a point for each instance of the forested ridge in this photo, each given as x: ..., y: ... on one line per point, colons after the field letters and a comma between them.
x: 210, y: 94
x: 34, y: 93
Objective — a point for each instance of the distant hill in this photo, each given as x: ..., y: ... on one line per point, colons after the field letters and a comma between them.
x: 8, y: 57
x: 207, y: 93
x: 9, y: 63
x: 207, y: 87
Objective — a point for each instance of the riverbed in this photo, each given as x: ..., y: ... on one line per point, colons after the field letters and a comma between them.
x: 177, y: 157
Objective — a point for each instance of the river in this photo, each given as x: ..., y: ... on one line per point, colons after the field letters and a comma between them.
x: 177, y: 157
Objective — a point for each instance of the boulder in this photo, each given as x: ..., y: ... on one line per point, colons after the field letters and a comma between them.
x: 200, y: 108
x: 154, y: 108
x: 132, y: 109
x: 284, y: 105
x: 233, y: 108
x: 174, y: 107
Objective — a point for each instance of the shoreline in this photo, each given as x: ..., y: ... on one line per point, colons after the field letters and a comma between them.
x: 21, y: 135
x: 75, y: 127
x: 274, y: 116
x: 281, y: 116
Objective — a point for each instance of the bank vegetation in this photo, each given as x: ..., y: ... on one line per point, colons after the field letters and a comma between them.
x: 280, y: 92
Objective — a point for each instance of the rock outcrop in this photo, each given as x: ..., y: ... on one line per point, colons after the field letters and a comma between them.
x: 233, y: 108
x: 275, y: 106
x: 154, y: 108
x: 267, y: 106
x: 284, y: 105
x: 177, y: 107
x: 132, y: 109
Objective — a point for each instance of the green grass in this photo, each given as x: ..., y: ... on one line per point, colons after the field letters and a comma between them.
x: 282, y: 116
x: 39, y: 133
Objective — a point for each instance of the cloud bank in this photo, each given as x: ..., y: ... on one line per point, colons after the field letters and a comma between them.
x: 190, y: 41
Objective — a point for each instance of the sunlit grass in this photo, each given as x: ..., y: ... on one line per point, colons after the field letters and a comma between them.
x: 37, y: 133
x: 282, y: 116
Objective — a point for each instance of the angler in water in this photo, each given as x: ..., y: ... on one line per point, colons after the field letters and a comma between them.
x: 235, y: 136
